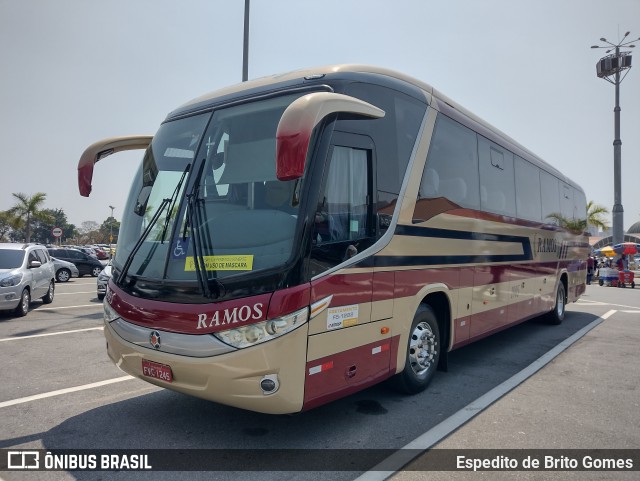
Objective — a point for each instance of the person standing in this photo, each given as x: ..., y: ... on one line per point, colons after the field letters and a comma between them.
x: 590, y: 268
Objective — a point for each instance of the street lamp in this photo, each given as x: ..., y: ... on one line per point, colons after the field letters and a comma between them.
x: 245, y: 43
x: 111, y: 229
x: 610, y: 69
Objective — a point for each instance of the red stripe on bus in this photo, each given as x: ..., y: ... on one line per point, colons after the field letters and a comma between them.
x: 352, y: 371
x: 189, y: 318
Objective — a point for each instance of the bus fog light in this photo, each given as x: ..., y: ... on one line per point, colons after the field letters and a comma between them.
x: 269, y: 384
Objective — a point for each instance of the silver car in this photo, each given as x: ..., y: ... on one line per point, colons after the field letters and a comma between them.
x: 103, y: 280
x: 26, y: 273
x: 65, y: 270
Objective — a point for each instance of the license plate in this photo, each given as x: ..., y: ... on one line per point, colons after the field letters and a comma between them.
x: 157, y: 370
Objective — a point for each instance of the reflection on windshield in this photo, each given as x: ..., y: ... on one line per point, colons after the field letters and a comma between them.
x: 243, y: 218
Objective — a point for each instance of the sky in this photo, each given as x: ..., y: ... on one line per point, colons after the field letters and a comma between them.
x: 75, y: 71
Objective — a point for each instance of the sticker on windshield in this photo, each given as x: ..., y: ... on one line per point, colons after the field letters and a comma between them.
x: 180, y: 247
x: 223, y: 263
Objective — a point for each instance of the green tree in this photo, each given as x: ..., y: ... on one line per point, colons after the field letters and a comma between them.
x: 5, y: 226
x: 595, y: 215
x: 579, y: 226
x: 108, y: 228
x: 27, y: 210
x: 56, y: 218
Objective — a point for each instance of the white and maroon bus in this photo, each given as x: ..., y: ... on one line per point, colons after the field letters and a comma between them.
x: 297, y: 238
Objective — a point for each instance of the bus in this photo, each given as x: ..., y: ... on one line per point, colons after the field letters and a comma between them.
x: 297, y: 238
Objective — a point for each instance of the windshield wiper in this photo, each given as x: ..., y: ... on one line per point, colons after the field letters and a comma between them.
x: 170, y: 202
x: 145, y: 234
x: 174, y: 198
x: 195, y: 220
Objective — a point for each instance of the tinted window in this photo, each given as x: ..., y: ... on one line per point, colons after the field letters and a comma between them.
x: 451, y: 170
x: 497, y: 185
x: 42, y: 256
x: 528, y: 202
x: 580, y: 203
x: 342, y: 223
x: 566, y: 201
x: 394, y: 135
x: 11, y: 258
x: 550, y: 196
x: 33, y: 257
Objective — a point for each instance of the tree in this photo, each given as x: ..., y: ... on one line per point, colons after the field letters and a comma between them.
x: 594, y: 216
x: 57, y: 218
x: 5, y: 226
x: 27, y: 210
x: 110, y: 227
x: 89, y: 232
x: 579, y: 226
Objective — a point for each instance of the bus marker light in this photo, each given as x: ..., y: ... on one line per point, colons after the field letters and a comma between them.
x: 322, y: 367
x: 379, y: 349
x: 384, y: 330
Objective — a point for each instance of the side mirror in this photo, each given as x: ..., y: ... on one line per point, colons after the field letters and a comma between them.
x: 34, y: 264
x: 298, y: 121
x: 101, y: 149
x: 143, y: 198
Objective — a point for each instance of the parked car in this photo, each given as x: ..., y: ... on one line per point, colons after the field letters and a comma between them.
x: 87, y: 250
x: 103, y: 280
x: 84, y: 262
x: 26, y: 273
x: 101, y: 254
x: 65, y: 270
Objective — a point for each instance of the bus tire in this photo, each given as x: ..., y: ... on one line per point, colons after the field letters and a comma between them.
x: 556, y: 316
x: 422, y: 355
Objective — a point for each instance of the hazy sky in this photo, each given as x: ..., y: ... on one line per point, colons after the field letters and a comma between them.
x: 76, y: 71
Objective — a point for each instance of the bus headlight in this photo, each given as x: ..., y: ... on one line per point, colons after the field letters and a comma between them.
x: 263, y: 331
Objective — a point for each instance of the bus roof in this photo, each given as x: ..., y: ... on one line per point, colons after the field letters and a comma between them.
x: 299, y: 77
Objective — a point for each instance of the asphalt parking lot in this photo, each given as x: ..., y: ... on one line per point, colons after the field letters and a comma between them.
x: 60, y: 391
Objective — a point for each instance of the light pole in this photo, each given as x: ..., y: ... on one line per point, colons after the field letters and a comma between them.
x: 111, y: 229
x: 610, y: 68
x: 245, y: 43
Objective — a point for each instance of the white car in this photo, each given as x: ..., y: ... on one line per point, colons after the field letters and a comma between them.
x: 64, y: 270
x: 26, y: 273
x: 103, y: 280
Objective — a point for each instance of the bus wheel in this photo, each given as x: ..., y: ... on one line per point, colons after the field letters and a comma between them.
x: 557, y: 315
x: 423, y: 353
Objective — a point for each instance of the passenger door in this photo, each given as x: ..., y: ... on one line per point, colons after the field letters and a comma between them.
x: 346, y: 348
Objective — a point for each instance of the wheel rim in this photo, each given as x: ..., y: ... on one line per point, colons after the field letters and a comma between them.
x: 560, y: 302
x: 51, y: 290
x: 63, y: 276
x: 25, y: 301
x: 422, y: 348
x: 96, y: 272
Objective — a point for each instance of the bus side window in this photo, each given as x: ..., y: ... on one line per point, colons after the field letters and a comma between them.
x: 342, y: 223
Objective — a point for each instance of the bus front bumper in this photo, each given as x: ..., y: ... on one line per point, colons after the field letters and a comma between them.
x: 233, y: 378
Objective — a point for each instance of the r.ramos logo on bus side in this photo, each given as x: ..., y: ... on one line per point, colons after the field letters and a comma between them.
x: 235, y: 315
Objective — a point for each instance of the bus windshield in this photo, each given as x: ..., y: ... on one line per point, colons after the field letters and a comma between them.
x: 231, y: 204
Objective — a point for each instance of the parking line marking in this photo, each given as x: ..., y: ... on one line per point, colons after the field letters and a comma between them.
x: 71, y: 293
x: 50, y: 334
x: 59, y: 392
x: 436, y: 434
x: 67, y: 307
x: 598, y: 303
